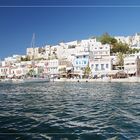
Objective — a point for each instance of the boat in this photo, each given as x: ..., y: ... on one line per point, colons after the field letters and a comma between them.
x: 36, y: 80
x: 6, y: 81
x: 33, y: 78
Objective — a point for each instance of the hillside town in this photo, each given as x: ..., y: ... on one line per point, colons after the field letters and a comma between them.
x: 89, y: 58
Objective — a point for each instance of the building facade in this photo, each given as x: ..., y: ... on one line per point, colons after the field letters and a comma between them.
x: 131, y: 64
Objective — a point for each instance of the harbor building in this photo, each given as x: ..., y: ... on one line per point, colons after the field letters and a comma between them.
x: 4, y: 71
x: 135, y: 41
x: 72, y: 57
x: 100, y: 60
x: 132, y: 65
x: 132, y: 41
x: 53, y: 67
x: 80, y: 62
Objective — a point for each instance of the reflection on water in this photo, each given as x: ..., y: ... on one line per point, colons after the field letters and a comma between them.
x: 75, y: 111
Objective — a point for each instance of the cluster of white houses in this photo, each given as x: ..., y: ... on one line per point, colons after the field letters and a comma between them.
x: 70, y: 59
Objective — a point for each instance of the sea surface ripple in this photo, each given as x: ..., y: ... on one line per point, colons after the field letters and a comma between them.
x: 70, y: 111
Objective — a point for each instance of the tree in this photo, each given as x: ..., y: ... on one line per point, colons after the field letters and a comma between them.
x: 40, y: 70
x: 107, y: 39
x: 113, y: 41
x: 133, y: 51
x: 120, y: 59
x: 41, y: 58
x: 120, y: 47
x: 31, y: 72
x: 27, y: 58
x: 87, y: 71
x: 115, y: 45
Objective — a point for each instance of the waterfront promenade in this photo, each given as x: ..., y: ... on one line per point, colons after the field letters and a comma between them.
x: 105, y: 80
x: 129, y: 79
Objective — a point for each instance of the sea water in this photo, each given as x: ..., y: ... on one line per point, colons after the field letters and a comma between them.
x: 70, y: 111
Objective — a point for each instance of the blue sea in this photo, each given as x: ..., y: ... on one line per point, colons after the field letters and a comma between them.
x: 70, y: 111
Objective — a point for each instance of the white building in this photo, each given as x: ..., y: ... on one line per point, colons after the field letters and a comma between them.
x: 18, y: 71
x: 100, y: 60
x: 4, y: 71
x: 130, y: 64
x: 100, y: 67
x: 135, y: 41
x: 124, y: 39
x: 36, y: 53
x: 53, y: 67
x: 132, y: 41
x: 66, y: 50
x: 80, y: 62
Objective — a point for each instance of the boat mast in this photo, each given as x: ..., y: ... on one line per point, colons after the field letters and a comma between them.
x: 33, y: 46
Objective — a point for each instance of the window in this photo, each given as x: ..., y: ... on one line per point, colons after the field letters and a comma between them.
x: 77, y: 62
x: 92, y: 65
x: 85, y: 62
x: 128, y: 64
x: 96, y: 67
x: 107, y: 66
x: 102, y: 66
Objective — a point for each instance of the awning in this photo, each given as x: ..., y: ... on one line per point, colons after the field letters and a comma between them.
x: 10, y: 76
x: 69, y: 68
x: 112, y: 72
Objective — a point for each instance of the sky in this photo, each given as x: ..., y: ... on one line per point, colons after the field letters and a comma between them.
x: 55, y: 21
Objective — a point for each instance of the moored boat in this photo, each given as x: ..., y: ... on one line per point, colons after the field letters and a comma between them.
x: 6, y: 81
x: 35, y: 80
x: 31, y: 80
